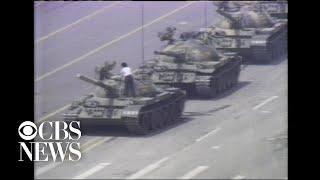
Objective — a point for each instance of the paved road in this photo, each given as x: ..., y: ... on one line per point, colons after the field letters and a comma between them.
x: 236, y: 135
x: 67, y: 46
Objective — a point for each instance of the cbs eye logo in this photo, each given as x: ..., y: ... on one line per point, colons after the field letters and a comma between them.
x: 27, y: 130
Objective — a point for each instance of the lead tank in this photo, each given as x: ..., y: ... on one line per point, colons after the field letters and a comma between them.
x: 194, y: 65
x: 252, y: 33
x: 152, y: 108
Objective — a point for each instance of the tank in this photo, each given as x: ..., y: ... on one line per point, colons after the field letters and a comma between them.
x: 194, y: 65
x: 252, y: 33
x: 151, y: 109
x: 277, y: 9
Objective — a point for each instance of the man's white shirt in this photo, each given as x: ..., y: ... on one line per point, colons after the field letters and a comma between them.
x: 126, y: 71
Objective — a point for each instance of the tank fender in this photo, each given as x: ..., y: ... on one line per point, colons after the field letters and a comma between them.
x: 132, y: 111
x: 259, y: 41
x: 203, y: 80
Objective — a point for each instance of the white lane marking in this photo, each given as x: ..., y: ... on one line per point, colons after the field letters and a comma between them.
x: 111, y: 42
x: 266, y: 112
x: 239, y: 177
x: 194, y: 172
x: 264, y: 102
x: 92, y: 171
x: 76, y: 22
x: 147, y: 169
x: 95, y: 144
x: 53, y: 113
x: 87, y: 146
x: 46, y: 168
x: 215, y: 147
x: 208, y: 134
x: 90, y: 141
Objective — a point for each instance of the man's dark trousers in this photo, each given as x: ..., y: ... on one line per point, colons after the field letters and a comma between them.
x: 129, y: 86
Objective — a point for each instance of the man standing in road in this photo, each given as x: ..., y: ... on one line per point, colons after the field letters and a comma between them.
x: 128, y: 80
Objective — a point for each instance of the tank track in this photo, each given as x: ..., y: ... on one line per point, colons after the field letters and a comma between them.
x: 221, y: 80
x: 224, y: 79
x: 276, y: 47
x: 156, y: 116
x: 280, y: 15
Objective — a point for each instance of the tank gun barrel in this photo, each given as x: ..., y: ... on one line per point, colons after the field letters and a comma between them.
x: 94, y: 82
x: 172, y: 54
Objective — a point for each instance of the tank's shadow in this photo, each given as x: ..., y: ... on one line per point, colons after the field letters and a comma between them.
x: 228, y: 92
x: 182, y: 120
x: 241, y: 84
x: 103, y: 130
x: 271, y: 63
x: 206, y: 113
x: 121, y: 131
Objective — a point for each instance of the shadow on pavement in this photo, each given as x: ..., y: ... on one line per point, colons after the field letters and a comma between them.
x: 271, y: 63
x: 241, y: 84
x: 224, y: 94
x: 206, y: 113
x: 121, y: 131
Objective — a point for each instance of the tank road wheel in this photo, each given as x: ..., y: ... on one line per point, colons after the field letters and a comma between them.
x: 268, y: 56
x: 218, y: 85
x: 166, y: 118
x: 154, y: 120
x: 175, y: 114
x: 273, y: 49
x: 276, y: 47
x: 138, y: 126
x: 171, y: 117
x: 235, y: 75
x: 229, y: 78
x: 224, y: 82
x: 147, y: 121
x: 144, y: 123
x: 282, y: 45
x: 192, y: 90
x: 180, y: 107
x: 213, y: 88
x: 160, y: 119
x: 273, y: 52
x: 276, y: 50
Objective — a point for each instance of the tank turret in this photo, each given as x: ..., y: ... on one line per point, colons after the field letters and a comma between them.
x: 110, y: 86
